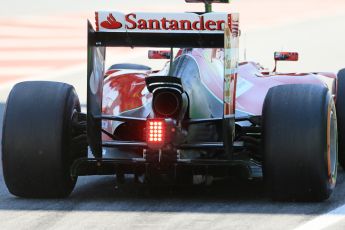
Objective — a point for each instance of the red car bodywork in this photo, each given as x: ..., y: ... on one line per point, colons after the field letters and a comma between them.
x: 125, y: 90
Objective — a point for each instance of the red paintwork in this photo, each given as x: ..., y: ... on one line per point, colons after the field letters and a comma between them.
x: 126, y: 90
x: 123, y: 90
x: 286, y: 56
x: 252, y: 100
x: 159, y: 54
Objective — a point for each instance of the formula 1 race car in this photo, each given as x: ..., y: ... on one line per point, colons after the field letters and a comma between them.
x: 204, y: 116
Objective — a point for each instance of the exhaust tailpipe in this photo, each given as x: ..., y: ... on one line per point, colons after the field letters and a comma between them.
x: 167, y: 102
x: 169, y: 99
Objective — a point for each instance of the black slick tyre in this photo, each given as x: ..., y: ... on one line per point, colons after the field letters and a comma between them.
x: 37, y: 148
x: 340, y: 104
x: 300, y: 142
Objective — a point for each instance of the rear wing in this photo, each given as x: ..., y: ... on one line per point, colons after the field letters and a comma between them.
x: 180, y: 30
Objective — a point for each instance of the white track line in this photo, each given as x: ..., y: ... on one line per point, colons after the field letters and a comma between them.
x: 46, y: 21
x: 37, y: 55
x: 53, y: 75
x: 39, y: 43
x: 11, y: 71
x: 325, y: 220
x: 20, y: 31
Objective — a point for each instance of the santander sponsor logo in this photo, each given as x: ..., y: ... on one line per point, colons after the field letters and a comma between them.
x: 180, y: 23
x: 165, y: 24
x: 111, y: 23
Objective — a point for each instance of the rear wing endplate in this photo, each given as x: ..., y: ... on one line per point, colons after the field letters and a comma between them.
x: 95, y: 73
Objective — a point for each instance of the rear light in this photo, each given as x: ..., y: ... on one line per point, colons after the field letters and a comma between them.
x: 155, y: 132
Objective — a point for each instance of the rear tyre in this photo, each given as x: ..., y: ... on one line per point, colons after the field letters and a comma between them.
x: 38, y: 145
x: 340, y: 104
x: 300, y: 142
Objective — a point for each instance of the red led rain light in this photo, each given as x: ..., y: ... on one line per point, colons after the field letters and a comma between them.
x: 155, y: 131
